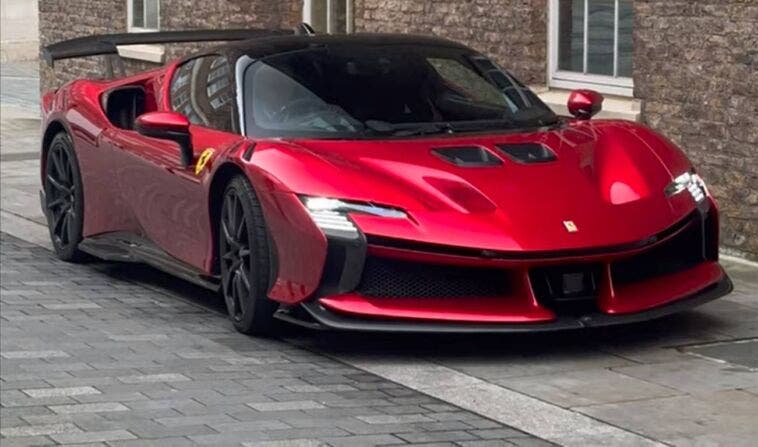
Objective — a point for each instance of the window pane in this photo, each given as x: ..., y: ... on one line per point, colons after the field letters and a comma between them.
x: 600, y: 37
x: 151, y: 14
x: 339, y: 16
x: 318, y: 15
x: 626, y: 20
x: 338, y: 19
x: 571, y: 35
x: 138, y: 15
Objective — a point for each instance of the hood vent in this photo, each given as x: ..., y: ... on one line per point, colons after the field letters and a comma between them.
x: 468, y: 156
x: 527, y: 153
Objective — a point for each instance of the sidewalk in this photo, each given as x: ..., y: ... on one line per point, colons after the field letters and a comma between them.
x: 124, y: 355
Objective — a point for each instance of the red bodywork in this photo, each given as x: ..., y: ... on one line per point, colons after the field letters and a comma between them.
x: 608, y: 180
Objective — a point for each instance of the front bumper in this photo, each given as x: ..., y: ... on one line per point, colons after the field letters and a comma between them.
x: 326, y: 319
x: 391, y: 285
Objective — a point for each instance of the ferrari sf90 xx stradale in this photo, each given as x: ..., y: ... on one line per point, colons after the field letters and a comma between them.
x: 373, y: 182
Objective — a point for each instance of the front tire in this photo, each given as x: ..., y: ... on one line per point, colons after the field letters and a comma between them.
x: 64, y: 199
x: 245, y: 260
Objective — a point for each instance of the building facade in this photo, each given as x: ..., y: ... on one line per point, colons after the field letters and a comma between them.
x: 19, y: 33
x: 689, y: 69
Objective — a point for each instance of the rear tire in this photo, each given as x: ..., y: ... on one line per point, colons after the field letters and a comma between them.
x: 245, y: 260
x: 64, y: 199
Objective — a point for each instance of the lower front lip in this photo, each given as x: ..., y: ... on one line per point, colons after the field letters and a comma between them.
x: 326, y: 319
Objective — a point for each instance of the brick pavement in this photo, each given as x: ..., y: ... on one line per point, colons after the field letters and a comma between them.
x: 89, y: 357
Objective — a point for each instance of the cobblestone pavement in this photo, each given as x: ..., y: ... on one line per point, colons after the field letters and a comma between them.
x: 91, y: 357
x: 127, y: 336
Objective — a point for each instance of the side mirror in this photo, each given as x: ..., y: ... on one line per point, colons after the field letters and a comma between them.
x: 584, y: 104
x: 168, y: 126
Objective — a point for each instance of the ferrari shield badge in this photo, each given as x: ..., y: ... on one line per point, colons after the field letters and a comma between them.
x: 570, y: 226
x: 203, y: 160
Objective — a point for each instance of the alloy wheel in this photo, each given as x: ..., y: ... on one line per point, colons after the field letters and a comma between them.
x: 60, y: 194
x: 235, y: 253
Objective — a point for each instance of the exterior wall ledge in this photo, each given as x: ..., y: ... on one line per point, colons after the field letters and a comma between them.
x: 148, y: 53
x: 614, y: 107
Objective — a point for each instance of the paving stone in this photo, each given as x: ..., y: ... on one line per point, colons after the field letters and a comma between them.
x: 154, y: 378
x: 37, y: 430
x: 162, y: 442
x: 284, y: 406
x: 487, y: 443
x: 689, y: 418
x: 287, y: 443
x: 394, y: 419
x: 32, y: 354
x: 435, y: 436
x: 56, y: 392
x: 587, y: 387
x: 694, y: 375
x: 498, y: 433
x: 93, y: 436
x: 36, y: 441
x: 363, y: 441
x: 195, y: 420
x: 108, y: 376
x: 89, y: 408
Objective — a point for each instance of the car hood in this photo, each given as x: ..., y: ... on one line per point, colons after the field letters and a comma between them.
x: 604, y: 187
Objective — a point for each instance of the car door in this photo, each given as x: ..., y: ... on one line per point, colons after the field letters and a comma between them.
x: 166, y: 197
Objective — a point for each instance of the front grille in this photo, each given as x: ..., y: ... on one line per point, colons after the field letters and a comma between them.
x: 567, y: 288
x: 383, y: 277
x: 683, y: 251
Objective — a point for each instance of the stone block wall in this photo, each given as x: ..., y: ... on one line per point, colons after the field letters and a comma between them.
x: 513, y: 32
x: 696, y: 70
x: 66, y: 19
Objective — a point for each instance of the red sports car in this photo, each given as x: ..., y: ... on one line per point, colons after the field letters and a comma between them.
x: 373, y: 182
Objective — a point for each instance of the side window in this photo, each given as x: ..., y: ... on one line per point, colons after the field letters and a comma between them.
x: 202, y: 90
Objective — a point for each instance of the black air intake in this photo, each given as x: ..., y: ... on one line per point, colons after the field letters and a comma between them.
x: 384, y: 277
x: 527, y: 153
x: 468, y: 156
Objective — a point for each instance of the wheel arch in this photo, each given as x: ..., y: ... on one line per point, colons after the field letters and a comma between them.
x: 221, y: 178
x: 53, y: 128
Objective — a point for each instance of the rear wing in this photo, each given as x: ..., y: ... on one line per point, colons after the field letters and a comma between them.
x: 107, y: 44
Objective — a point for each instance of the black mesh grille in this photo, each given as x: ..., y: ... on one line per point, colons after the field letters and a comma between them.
x: 681, y: 252
x: 393, y: 278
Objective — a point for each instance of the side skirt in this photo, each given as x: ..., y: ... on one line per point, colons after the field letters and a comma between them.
x: 127, y: 247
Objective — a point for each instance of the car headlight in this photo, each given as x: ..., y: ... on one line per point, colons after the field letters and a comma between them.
x: 331, y: 215
x: 691, y: 182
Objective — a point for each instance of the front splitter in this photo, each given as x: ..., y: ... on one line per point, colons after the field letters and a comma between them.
x: 326, y: 319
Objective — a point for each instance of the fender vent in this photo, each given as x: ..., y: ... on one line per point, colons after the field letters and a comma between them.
x: 527, y: 153
x: 468, y: 156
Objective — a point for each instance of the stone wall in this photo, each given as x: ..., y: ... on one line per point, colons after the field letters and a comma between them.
x: 66, y: 19
x: 513, y: 32
x: 696, y: 70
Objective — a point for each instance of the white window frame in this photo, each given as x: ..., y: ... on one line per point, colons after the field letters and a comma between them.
x: 331, y: 22
x: 130, y: 17
x: 612, y: 85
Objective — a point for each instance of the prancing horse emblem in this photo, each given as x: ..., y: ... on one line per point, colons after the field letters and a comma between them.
x: 570, y: 226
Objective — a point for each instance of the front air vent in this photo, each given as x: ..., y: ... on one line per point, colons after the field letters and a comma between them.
x: 392, y: 278
x: 468, y: 156
x: 527, y: 153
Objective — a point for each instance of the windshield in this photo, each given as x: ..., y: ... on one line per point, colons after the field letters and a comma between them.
x: 350, y: 91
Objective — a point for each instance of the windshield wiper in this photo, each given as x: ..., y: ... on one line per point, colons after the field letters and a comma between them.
x: 409, y: 129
